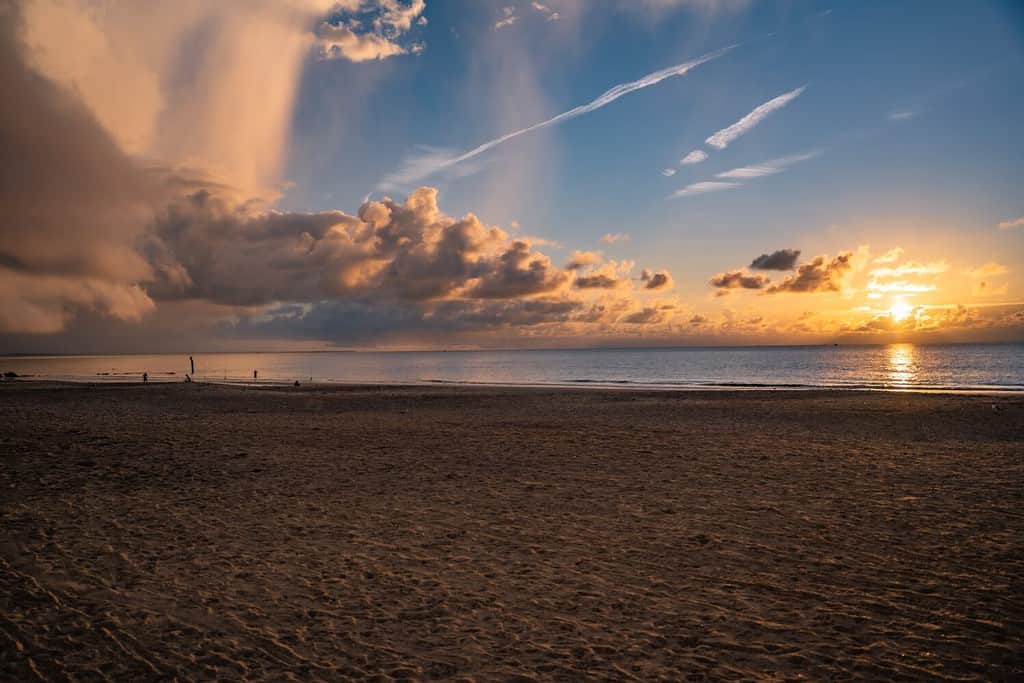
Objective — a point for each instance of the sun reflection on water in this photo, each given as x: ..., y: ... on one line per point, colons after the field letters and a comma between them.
x: 902, y: 368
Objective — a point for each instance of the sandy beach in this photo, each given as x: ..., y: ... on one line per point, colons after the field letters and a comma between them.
x: 196, y: 532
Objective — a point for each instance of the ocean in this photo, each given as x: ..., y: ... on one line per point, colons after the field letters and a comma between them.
x: 955, y: 367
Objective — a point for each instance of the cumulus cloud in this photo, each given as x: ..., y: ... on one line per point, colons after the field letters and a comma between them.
x: 370, y: 29
x: 654, y: 281
x: 694, y: 157
x: 645, y: 316
x: 508, y: 18
x: 783, y: 259
x: 738, y: 279
x: 598, y: 281
x: 88, y: 231
x: 819, y: 275
x: 338, y: 40
x: 725, y: 136
x: 581, y: 259
x: 414, y: 168
x: 613, y: 237
x: 549, y: 14
x: 609, y: 275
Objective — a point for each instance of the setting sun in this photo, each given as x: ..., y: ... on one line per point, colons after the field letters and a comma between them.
x: 900, y: 310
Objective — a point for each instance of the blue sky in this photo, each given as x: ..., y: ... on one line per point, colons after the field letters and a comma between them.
x: 913, y: 106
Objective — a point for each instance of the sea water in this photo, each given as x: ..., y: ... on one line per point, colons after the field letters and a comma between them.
x: 960, y: 367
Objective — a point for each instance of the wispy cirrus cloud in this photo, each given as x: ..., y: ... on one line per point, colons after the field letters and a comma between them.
x: 415, y: 169
x: 1012, y: 223
x: 702, y: 188
x: 891, y: 256
x: 725, y: 136
x: 766, y: 168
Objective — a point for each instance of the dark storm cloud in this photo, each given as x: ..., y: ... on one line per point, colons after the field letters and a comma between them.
x: 598, y: 281
x: 738, y: 279
x: 654, y: 281
x: 783, y: 259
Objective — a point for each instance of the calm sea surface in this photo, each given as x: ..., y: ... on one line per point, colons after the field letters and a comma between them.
x: 996, y: 367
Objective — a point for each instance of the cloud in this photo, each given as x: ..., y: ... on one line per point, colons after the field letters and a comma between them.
x: 1012, y: 223
x: 724, y: 137
x: 694, y: 157
x: 766, y: 168
x: 668, y: 172
x: 902, y: 115
x: 702, y: 188
x: 783, y: 259
x: 891, y: 256
x: 89, y: 235
x: 198, y: 83
x: 371, y: 30
x: 581, y: 259
x: 508, y: 18
x: 911, y: 268
x: 656, y: 281
x: 597, y: 281
x: 819, y: 275
x: 986, y: 288
x: 899, y: 287
x: 414, y: 169
x: 645, y: 316
x: 73, y: 209
x: 738, y: 279
x: 548, y: 13
x: 612, y: 238
x: 610, y: 275
x: 338, y: 40
x: 990, y: 269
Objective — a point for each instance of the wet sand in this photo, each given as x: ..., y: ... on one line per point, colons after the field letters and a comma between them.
x: 196, y: 532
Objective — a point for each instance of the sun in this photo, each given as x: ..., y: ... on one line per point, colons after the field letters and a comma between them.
x: 900, y: 310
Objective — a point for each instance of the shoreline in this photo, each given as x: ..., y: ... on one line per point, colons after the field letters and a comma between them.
x: 581, y: 385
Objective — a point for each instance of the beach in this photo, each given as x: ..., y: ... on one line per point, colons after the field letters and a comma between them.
x: 197, y: 532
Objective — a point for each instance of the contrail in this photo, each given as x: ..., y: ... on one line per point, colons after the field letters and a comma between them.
x: 722, y: 138
x: 417, y: 169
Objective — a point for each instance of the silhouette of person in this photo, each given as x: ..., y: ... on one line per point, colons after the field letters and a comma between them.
x: 145, y: 378
x: 253, y: 375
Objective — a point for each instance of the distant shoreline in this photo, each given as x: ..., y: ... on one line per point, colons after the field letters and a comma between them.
x: 587, y: 385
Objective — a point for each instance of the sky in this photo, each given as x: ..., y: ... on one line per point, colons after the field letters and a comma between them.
x: 416, y: 174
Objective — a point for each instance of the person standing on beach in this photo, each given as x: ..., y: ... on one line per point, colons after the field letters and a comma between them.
x: 253, y: 375
x: 145, y: 378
